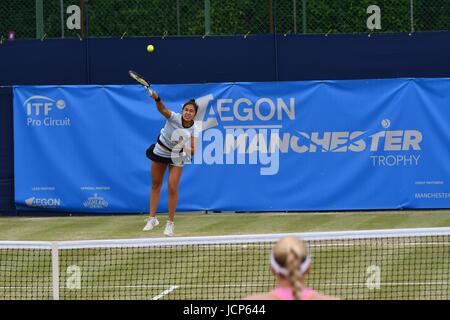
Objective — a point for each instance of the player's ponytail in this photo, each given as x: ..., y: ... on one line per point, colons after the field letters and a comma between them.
x: 290, y: 259
x: 294, y: 277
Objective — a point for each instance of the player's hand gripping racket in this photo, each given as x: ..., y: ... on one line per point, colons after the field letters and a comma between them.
x: 136, y: 76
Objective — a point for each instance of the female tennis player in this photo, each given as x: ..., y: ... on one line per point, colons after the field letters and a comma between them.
x: 175, y: 145
x: 290, y: 262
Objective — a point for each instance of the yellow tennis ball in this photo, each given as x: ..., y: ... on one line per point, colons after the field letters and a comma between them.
x: 150, y: 48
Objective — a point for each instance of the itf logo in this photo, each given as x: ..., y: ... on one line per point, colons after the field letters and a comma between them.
x: 44, y: 111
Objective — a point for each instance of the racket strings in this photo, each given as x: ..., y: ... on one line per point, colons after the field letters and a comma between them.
x: 139, y: 79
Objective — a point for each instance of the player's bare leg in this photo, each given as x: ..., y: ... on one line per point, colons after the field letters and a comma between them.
x: 174, y: 180
x: 158, y: 170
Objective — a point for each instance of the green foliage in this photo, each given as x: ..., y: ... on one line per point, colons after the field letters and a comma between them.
x: 113, y: 18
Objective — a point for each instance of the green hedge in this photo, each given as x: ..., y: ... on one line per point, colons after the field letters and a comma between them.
x: 112, y: 18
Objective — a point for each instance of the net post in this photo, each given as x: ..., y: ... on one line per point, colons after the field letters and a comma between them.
x: 55, y: 270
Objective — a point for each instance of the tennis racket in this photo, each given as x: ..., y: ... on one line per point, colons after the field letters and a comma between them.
x: 140, y: 79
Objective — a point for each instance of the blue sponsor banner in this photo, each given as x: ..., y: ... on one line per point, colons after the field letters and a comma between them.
x: 281, y: 146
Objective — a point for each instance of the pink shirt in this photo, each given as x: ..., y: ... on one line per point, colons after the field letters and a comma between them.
x: 286, y: 293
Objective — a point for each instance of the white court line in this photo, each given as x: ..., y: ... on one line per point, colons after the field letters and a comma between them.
x: 165, y: 292
x: 387, y: 284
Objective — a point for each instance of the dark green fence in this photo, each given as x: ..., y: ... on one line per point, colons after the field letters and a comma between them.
x: 121, y: 18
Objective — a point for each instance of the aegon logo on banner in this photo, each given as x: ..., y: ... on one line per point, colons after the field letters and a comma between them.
x: 243, y: 143
x: 43, y: 202
x: 262, y: 143
x: 43, y: 111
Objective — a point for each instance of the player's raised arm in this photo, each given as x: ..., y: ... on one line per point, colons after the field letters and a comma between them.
x: 159, y: 104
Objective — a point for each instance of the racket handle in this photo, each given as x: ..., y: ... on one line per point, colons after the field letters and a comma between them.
x: 149, y: 90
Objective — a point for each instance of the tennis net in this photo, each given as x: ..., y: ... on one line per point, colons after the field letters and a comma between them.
x: 378, y: 264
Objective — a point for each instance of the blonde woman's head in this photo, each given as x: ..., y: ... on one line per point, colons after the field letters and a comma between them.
x: 290, y: 260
